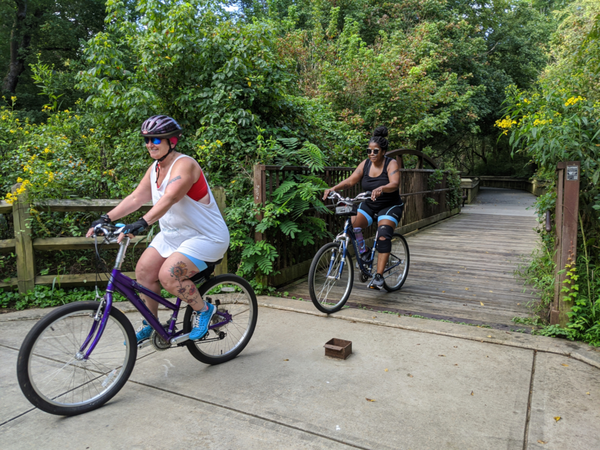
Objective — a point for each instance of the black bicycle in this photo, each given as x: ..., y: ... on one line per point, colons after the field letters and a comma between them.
x: 331, y: 274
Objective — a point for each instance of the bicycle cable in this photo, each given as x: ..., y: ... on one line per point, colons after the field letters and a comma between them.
x: 99, y: 270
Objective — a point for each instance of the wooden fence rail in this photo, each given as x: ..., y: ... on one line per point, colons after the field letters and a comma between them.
x: 425, y: 203
x: 294, y: 261
x: 25, y: 247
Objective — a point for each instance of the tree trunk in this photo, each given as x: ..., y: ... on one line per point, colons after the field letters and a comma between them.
x: 20, y: 38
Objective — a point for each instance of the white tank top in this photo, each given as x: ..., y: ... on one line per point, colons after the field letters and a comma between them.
x: 188, y: 218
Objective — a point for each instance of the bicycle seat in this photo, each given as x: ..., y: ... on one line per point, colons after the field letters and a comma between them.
x: 201, y: 277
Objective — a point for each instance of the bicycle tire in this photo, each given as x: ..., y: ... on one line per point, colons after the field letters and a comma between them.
x: 331, y: 300
x: 235, y: 297
x: 394, y: 279
x: 51, y: 376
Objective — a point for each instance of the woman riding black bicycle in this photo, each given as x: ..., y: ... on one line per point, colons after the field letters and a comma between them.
x: 380, y: 175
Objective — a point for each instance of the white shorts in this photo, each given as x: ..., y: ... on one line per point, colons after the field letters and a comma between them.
x: 199, y: 247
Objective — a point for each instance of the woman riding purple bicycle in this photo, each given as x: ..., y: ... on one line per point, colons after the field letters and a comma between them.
x: 193, y: 232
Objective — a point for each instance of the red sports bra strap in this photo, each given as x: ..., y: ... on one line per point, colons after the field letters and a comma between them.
x: 199, y: 189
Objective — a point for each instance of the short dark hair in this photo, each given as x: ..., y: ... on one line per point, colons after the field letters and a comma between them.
x: 379, y: 137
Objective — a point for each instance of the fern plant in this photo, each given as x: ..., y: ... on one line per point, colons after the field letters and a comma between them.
x: 290, y: 215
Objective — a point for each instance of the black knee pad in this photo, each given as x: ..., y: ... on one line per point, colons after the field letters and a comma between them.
x: 386, y: 232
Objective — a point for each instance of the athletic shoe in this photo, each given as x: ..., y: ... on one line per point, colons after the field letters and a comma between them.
x: 377, y: 282
x: 201, y: 320
x: 366, y: 255
x: 142, y: 333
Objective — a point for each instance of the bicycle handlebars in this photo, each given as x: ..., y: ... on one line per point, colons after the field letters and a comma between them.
x: 109, y: 231
x: 359, y: 198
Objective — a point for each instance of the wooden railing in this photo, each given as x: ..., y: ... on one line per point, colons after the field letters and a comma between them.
x: 535, y: 187
x: 471, y: 186
x: 294, y: 260
x: 25, y: 247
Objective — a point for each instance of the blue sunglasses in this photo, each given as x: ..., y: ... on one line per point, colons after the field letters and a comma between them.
x: 154, y: 140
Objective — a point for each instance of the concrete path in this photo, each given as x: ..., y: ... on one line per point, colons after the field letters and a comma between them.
x: 409, y: 384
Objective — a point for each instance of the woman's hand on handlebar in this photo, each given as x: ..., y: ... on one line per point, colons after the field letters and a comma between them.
x: 133, y: 229
x: 326, y: 193
x: 376, y: 193
x: 103, y: 220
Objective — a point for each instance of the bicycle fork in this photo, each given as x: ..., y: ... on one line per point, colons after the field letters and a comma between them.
x: 336, y: 276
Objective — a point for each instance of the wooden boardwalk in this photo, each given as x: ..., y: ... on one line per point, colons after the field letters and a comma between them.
x: 462, y: 269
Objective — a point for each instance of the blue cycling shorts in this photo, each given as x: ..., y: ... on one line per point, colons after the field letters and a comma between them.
x: 393, y: 213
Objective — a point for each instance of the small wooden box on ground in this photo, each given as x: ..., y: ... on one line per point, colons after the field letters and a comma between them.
x: 338, y: 348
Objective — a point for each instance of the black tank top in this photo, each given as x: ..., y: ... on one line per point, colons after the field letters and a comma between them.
x: 371, y: 183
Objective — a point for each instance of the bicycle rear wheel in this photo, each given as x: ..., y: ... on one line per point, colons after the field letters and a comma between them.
x: 396, y: 269
x: 51, y: 371
x: 237, y: 311
x: 330, y: 282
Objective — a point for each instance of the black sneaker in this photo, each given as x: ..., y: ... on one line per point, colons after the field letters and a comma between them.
x: 377, y: 282
x: 366, y: 255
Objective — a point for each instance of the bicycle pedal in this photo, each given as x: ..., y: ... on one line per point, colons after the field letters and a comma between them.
x: 144, y: 344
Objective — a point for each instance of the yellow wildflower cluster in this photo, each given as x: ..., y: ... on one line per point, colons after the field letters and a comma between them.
x: 537, y: 122
x: 505, y: 124
x: 11, y: 197
x: 574, y: 100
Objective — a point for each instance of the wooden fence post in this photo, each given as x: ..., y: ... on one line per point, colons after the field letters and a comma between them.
x: 219, y: 195
x: 260, y: 194
x: 567, y: 212
x: 260, y: 198
x: 23, y: 242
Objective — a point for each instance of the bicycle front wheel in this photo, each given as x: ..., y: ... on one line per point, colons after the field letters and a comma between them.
x: 396, y: 269
x: 330, y: 278
x: 232, y: 325
x: 52, y: 372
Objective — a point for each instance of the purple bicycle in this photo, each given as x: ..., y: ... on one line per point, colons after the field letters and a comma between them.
x: 80, y: 355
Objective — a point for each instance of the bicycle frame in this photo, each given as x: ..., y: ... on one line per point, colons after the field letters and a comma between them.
x: 348, y: 236
x: 130, y: 289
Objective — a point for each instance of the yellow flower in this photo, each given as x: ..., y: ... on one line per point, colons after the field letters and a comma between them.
x: 574, y: 100
x: 505, y: 123
x: 19, y: 180
x: 46, y: 150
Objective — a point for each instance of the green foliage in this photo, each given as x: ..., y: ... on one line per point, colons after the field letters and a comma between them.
x: 49, y: 31
x: 46, y: 296
x: 454, y: 195
x: 433, y: 71
x: 290, y: 215
x: 560, y: 121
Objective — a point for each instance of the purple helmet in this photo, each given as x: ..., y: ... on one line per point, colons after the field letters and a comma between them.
x: 161, y: 126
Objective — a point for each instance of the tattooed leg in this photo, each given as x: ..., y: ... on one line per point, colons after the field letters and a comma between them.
x: 175, y: 277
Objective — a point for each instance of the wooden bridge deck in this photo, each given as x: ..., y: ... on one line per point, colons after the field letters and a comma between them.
x: 462, y: 269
